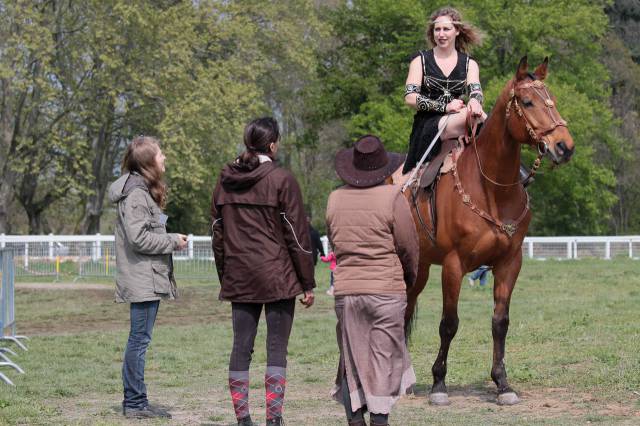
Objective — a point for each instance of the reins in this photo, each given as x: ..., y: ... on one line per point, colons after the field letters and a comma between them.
x: 510, y: 227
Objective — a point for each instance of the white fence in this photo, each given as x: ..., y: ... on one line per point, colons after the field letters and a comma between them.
x: 94, y: 255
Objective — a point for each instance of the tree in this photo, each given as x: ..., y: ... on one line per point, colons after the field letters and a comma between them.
x: 43, y: 152
x: 365, y: 75
x: 622, y: 59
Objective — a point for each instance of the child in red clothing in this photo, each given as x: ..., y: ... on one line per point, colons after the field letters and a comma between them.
x: 332, y: 261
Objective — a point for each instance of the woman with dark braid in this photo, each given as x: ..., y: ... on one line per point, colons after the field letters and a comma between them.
x: 437, y: 80
x: 263, y: 258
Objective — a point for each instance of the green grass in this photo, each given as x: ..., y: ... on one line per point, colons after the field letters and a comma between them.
x: 572, y: 354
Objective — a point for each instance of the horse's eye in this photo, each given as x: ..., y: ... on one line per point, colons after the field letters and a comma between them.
x: 527, y: 102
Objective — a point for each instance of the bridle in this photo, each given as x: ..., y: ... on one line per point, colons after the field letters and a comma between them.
x: 538, y: 137
x: 541, y: 91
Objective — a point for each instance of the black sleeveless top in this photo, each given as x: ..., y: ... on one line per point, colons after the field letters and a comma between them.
x: 438, y: 87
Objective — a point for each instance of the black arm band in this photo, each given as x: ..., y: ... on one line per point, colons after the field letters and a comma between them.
x: 425, y: 104
x: 411, y: 88
x: 474, y: 87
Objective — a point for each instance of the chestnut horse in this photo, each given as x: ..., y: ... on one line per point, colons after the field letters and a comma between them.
x: 483, y: 213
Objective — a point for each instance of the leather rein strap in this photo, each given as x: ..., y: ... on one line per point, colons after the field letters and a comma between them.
x: 509, y: 227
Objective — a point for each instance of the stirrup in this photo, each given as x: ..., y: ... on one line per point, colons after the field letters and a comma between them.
x: 526, y: 178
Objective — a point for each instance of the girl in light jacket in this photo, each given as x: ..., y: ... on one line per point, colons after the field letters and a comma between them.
x: 144, y: 263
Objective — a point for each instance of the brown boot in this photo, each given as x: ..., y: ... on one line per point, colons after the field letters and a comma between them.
x: 379, y: 424
x: 359, y: 422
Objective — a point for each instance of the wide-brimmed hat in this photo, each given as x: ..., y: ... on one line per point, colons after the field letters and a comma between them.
x: 367, y: 163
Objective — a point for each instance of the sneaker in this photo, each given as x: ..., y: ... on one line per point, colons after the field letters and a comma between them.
x: 471, y: 281
x: 161, y: 412
x: 330, y: 291
x: 146, y: 412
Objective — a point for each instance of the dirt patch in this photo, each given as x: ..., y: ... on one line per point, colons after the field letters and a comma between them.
x: 63, y: 286
x: 91, y: 307
x: 213, y: 407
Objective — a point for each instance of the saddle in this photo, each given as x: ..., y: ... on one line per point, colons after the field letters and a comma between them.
x: 428, y: 175
x: 431, y: 170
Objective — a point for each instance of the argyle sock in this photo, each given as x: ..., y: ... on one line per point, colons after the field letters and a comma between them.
x: 275, y: 380
x: 239, y: 389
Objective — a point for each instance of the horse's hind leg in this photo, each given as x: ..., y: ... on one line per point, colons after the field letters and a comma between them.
x: 504, y: 281
x: 451, y: 278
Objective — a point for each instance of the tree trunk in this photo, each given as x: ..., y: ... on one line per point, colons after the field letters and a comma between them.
x: 105, y: 151
x: 6, y: 197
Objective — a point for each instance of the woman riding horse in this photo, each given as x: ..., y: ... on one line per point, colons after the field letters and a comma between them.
x: 436, y: 82
x: 483, y: 213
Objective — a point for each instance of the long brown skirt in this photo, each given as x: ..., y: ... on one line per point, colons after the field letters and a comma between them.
x: 373, y: 353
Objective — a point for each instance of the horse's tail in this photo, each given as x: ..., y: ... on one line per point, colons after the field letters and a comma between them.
x: 410, y: 319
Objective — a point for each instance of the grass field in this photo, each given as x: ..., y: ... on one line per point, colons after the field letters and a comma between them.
x: 573, y: 354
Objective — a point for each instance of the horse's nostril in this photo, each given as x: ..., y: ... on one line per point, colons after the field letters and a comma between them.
x: 563, y: 150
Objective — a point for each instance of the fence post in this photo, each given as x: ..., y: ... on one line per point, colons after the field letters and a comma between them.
x: 607, y: 250
x: 575, y: 249
x: 3, y: 243
x: 630, y: 249
x: 569, y: 247
x: 51, y: 246
x: 190, y: 245
x: 26, y: 256
x: 530, y: 248
x: 98, y: 247
x: 325, y: 243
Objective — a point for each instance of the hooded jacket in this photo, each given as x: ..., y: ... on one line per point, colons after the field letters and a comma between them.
x: 143, y: 247
x: 260, y: 235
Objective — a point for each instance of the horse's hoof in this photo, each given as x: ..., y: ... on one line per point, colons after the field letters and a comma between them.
x: 439, y: 398
x: 508, y: 398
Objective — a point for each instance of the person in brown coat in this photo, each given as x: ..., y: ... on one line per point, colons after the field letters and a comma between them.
x: 376, y: 245
x: 263, y: 258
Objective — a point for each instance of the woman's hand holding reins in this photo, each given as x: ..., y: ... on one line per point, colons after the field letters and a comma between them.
x: 455, y: 105
x: 475, y: 108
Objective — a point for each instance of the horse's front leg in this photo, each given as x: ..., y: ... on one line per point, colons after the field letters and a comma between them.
x: 505, y: 276
x: 451, y: 279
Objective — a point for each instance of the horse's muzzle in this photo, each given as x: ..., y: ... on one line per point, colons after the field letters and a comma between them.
x: 562, y: 152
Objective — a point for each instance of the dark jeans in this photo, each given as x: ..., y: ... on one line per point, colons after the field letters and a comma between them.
x: 245, y: 317
x: 143, y: 316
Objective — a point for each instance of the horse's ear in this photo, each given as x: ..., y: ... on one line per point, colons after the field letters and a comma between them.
x: 523, y: 69
x: 541, y: 71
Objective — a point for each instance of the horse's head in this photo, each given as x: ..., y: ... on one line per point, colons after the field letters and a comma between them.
x: 536, y: 121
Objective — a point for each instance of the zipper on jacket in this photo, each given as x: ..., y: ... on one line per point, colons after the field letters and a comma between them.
x: 284, y: 216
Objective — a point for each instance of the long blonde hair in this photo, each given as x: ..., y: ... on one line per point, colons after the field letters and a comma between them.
x: 469, y: 35
x: 140, y: 157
